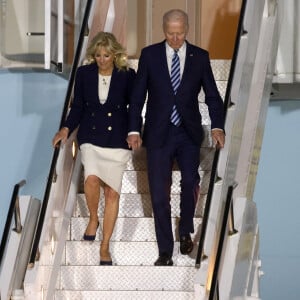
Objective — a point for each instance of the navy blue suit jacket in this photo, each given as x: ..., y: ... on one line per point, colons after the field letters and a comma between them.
x: 153, y: 78
x: 104, y: 125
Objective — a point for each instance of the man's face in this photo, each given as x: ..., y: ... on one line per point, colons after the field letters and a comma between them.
x: 175, y: 33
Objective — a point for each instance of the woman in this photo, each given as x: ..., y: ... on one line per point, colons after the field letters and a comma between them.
x: 101, y: 97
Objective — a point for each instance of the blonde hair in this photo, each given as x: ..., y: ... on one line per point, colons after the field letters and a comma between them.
x: 108, y: 41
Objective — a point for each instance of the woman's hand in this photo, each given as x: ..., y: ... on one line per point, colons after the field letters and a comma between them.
x: 134, y: 141
x: 61, y: 135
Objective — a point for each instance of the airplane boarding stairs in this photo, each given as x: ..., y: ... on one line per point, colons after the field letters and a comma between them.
x: 66, y: 267
x: 133, y: 245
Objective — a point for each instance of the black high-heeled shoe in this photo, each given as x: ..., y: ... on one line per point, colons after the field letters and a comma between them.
x: 88, y: 237
x: 105, y: 260
x: 105, y: 263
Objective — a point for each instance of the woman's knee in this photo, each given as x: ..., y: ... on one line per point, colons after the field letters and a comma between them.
x: 92, y: 181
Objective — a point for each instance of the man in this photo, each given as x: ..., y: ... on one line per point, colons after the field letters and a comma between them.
x: 173, y: 73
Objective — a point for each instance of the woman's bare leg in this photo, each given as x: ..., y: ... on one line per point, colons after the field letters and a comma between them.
x: 92, y: 194
x: 110, y: 215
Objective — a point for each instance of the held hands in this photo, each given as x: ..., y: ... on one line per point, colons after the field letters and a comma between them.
x: 218, y: 137
x: 134, y: 141
x: 61, y: 135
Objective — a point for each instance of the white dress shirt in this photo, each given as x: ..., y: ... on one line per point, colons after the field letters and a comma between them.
x: 181, y: 53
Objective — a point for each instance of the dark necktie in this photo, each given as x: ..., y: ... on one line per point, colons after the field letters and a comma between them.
x: 175, y: 80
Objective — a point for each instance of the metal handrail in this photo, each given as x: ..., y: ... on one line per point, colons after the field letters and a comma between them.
x: 13, y: 210
x: 227, y: 104
x: 214, y: 281
x: 204, y: 224
x: 52, y: 172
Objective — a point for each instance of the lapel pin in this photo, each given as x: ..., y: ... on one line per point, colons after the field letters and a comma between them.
x: 191, y: 54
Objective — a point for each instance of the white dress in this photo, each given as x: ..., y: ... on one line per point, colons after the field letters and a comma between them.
x: 106, y: 163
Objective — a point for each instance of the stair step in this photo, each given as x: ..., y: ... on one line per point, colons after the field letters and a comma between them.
x: 136, y: 206
x: 127, y: 229
x: 127, y: 278
x: 123, y: 295
x: 136, y: 182
x: 78, y: 253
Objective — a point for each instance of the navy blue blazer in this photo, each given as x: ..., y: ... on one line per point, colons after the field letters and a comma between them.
x: 153, y: 77
x: 104, y: 125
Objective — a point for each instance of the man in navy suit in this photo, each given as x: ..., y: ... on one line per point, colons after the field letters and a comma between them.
x: 170, y: 97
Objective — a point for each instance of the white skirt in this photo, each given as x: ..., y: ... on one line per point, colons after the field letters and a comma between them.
x: 106, y: 163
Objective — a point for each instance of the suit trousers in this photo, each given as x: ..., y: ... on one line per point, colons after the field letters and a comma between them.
x: 180, y: 147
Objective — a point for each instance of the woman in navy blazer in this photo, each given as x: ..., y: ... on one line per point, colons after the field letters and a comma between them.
x: 101, y: 98
x: 166, y: 142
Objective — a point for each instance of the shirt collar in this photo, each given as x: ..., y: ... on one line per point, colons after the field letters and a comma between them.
x: 170, y: 50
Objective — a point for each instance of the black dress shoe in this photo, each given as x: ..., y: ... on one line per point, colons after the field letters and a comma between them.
x: 164, y: 260
x: 186, y: 244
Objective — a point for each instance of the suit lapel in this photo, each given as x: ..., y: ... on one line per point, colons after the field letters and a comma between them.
x: 188, y: 62
x: 93, y: 82
x: 163, y: 59
x: 111, y: 87
x: 164, y: 70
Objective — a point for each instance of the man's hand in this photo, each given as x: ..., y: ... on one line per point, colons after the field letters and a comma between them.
x: 134, y: 141
x: 218, y: 137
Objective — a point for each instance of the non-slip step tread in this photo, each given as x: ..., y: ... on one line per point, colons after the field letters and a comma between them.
x: 123, y: 295
x: 123, y: 254
x: 127, y: 229
x: 136, y: 182
x: 118, y: 278
x: 136, y: 205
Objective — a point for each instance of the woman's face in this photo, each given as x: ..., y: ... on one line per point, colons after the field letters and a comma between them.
x: 104, y: 60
